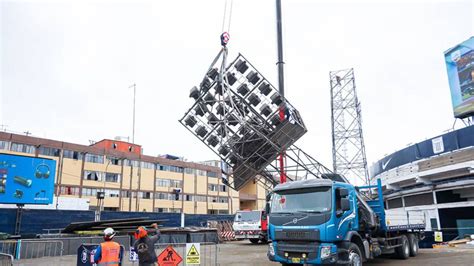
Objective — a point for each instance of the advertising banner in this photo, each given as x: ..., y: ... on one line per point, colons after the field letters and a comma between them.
x: 26, y: 180
x: 460, y: 67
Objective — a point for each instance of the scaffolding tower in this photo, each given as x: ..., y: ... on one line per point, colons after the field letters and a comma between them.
x: 348, y: 149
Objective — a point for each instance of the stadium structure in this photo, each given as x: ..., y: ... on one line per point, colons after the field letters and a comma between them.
x: 436, y: 176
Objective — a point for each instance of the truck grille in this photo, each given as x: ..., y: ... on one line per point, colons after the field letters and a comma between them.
x: 302, y: 235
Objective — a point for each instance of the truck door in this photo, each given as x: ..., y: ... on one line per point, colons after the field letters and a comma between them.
x: 344, y: 211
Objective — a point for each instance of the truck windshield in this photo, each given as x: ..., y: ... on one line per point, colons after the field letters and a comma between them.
x: 310, y: 200
x: 249, y: 216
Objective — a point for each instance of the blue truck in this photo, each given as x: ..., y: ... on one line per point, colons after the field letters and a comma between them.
x: 323, y: 221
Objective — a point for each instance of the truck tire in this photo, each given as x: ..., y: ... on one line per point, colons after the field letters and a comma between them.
x: 354, y: 255
x: 403, y: 251
x: 414, y: 246
x: 254, y: 240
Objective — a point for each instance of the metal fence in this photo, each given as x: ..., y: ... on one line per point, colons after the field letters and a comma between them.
x: 6, y: 259
x: 207, y: 252
x: 31, y: 249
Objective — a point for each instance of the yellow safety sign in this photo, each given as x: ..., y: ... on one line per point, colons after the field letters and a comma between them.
x: 192, y: 253
x: 438, y: 236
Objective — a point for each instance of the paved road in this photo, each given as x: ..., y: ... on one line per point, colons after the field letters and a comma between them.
x: 244, y: 253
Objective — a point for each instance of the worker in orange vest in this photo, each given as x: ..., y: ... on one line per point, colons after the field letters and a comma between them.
x: 108, y: 252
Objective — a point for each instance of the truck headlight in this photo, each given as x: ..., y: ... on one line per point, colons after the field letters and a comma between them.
x: 271, y: 250
x: 325, y: 252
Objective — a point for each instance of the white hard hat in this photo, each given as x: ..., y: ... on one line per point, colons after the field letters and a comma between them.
x: 109, y: 232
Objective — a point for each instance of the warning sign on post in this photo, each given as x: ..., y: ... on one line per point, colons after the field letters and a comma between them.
x: 438, y: 236
x: 193, y: 251
x: 169, y: 257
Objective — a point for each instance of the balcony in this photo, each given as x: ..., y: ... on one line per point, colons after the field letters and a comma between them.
x: 246, y: 196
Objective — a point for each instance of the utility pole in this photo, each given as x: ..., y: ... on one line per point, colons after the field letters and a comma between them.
x: 281, y: 83
x: 134, y: 92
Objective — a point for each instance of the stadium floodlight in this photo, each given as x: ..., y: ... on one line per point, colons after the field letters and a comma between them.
x: 194, y: 93
x: 264, y: 88
x: 237, y: 115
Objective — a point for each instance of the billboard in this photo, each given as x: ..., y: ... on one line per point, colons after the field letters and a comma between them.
x: 460, y: 66
x: 26, y: 180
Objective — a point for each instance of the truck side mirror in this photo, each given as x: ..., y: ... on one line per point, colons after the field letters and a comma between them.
x: 267, y: 207
x: 345, y: 205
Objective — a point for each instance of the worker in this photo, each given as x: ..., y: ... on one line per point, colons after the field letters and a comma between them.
x: 145, y: 245
x: 108, y: 252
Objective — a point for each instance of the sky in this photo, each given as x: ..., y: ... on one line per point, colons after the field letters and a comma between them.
x: 66, y: 66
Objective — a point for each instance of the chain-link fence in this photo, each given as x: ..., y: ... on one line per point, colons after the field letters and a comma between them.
x: 6, y: 259
x: 31, y: 249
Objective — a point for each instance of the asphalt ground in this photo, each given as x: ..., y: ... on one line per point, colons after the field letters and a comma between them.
x: 245, y: 253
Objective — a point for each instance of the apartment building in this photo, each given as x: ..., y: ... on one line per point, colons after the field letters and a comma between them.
x: 133, y: 181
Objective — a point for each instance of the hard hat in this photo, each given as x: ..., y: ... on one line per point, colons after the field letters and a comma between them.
x: 109, y: 233
x: 141, y: 232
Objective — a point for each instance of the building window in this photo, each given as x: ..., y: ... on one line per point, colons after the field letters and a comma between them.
x: 161, y: 209
x: 174, y: 210
x: 113, y: 160
x: 176, y: 183
x: 112, y: 177
x: 200, y: 198
x: 162, y: 182
x: 18, y: 147
x: 211, y: 174
x: 212, y: 187
x: 223, y: 200
x: 189, y: 171
x: 161, y: 196
x: 213, y: 199
x: 4, y: 145
x: 72, y: 155
x: 147, y: 165
x: 144, y: 195
x: 417, y: 200
x: 223, y: 212
x: 49, y: 151
x: 162, y: 167
x: 94, y: 158
x: 201, y: 172
x: 395, y: 203
x: 93, y: 175
x: 188, y: 197
x: 212, y: 211
x: 66, y: 190
x: 176, y: 169
x: 222, y: 188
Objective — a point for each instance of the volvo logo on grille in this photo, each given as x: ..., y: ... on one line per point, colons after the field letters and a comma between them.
x: 295, y: 220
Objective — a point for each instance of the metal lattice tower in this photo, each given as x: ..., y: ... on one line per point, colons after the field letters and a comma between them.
x: 348, y: 149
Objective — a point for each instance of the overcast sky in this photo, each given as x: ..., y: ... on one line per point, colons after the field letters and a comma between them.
x: 66, y: 67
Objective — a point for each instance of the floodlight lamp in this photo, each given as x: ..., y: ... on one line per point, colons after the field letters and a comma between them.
x: 221, y: 131
x: 218, y: 88
x: 212, y: 74
x: 243, y: 89
x: 190, y: 121
x: 276, y: 120
x: 223, y: 151
x: 200, y: 109
x: 220, y: 109
x: 241, y: 66
x: 276, y: 99
x: 254, y: 99
x: 265, y: 110
x: 209, y: 99
x: 194, y: 93
x: 205, y: 85
x: 253, y: 77
x: 232, y: 120
x: 213, y: 120
x: 264, y: 88
x: 201, y: 131
x: 212, y: 140
x: 231, y: 79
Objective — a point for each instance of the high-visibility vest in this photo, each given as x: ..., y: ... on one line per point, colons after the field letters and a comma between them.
x: 110, y: 254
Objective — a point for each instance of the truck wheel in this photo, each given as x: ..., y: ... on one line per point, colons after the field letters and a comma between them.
x: 414, y: 246
x: 355, y: 256
x: 403, y: 251
x: 254, y: 240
